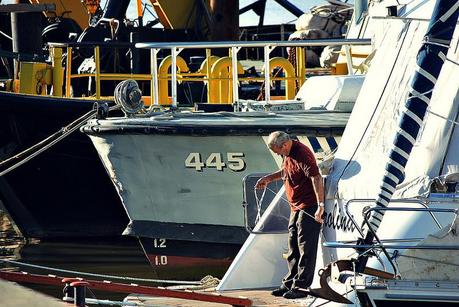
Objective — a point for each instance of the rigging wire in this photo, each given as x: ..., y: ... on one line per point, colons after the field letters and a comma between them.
x: 443, y: 117
x: 33, y: 151
x: 6, y: 35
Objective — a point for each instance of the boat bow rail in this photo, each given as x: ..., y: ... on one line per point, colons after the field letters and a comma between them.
x: 377, y: 246
x: 233, y: 48
x: 221, y: 75
x: 394, y: 243
x: 421, y: 202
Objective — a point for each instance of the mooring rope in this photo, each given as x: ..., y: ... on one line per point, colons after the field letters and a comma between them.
x: 282, y: 197
x: 33, y: 151
x: 165, y: 281
x: 321, y: 232
x: 259, y: 201
x: 94, y: 301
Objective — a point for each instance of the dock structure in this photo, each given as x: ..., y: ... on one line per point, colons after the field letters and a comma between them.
x: 14, y: 295
x: 259, y: 298
x: 79, y: 286
x: 138, y: 294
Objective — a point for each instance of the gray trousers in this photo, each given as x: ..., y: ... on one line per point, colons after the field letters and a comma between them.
x: 302, y: 248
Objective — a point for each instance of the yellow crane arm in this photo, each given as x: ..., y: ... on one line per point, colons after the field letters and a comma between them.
x: 173, y: 16
x: 74, y: 9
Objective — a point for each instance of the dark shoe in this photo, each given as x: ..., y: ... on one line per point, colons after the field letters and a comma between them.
x: 280, y: 291
x: 294, y: 294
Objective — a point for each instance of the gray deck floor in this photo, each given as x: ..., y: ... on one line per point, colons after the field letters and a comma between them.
x: 258, y: 297
x: 14, y: 295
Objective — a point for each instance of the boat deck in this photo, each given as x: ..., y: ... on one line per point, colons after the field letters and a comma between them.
x: 258, y: 298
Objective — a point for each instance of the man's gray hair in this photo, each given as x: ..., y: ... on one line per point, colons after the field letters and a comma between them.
x: 277, y: 139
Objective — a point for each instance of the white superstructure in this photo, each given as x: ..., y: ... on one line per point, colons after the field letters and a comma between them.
x: 422, y: 211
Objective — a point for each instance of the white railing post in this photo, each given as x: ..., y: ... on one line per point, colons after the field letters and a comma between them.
x: 234, y: 51
x: 174, y: 53
x: 154, y: 78
x: 174, y: 76
x: 267, y: 51
x: 350, y: 68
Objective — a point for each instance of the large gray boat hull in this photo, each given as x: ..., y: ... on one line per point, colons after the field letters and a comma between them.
x: 180, y: 175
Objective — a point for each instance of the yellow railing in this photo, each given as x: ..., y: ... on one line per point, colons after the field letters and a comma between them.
x: 217, y: 73
x: 233, y: 73
x: 218, y: 77
x: 97, y: 75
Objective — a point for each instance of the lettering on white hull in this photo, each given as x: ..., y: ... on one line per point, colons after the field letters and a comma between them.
x: 338, y: 220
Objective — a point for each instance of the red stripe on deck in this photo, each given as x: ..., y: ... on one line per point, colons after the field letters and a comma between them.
x: 125, y: 288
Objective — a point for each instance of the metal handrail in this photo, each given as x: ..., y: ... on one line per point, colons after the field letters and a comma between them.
x: 380, y: 244
x: 230, y: 44
x: 110, y: 44
x: 410, y: 200
x: 377, y: 208
x: 367, y: 215
x: 337, y: 244
x: 385, y: 240
x: 177, y: 47
x: 234, y: 46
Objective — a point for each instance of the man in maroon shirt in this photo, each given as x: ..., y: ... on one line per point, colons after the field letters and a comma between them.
x: 305, y: 192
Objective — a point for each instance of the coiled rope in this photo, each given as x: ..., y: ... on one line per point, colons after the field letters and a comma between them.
x: 129, y: 96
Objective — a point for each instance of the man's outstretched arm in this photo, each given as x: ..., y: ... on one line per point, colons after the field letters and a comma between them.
x: 265, y: 180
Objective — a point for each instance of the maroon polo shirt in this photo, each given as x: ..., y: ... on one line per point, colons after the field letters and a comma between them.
x: 298, y: 169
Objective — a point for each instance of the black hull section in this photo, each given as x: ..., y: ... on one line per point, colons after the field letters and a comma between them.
x: 204, y: 233
x: 65, y: 191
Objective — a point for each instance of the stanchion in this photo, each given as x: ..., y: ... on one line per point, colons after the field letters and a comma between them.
x: 68, y: 289
x: 80, y: 292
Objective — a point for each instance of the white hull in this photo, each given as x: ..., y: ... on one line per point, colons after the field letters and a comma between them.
x: 429, y: 273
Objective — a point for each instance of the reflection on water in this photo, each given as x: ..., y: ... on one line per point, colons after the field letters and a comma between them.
x: 121, y: 256
x: 9, y: 238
